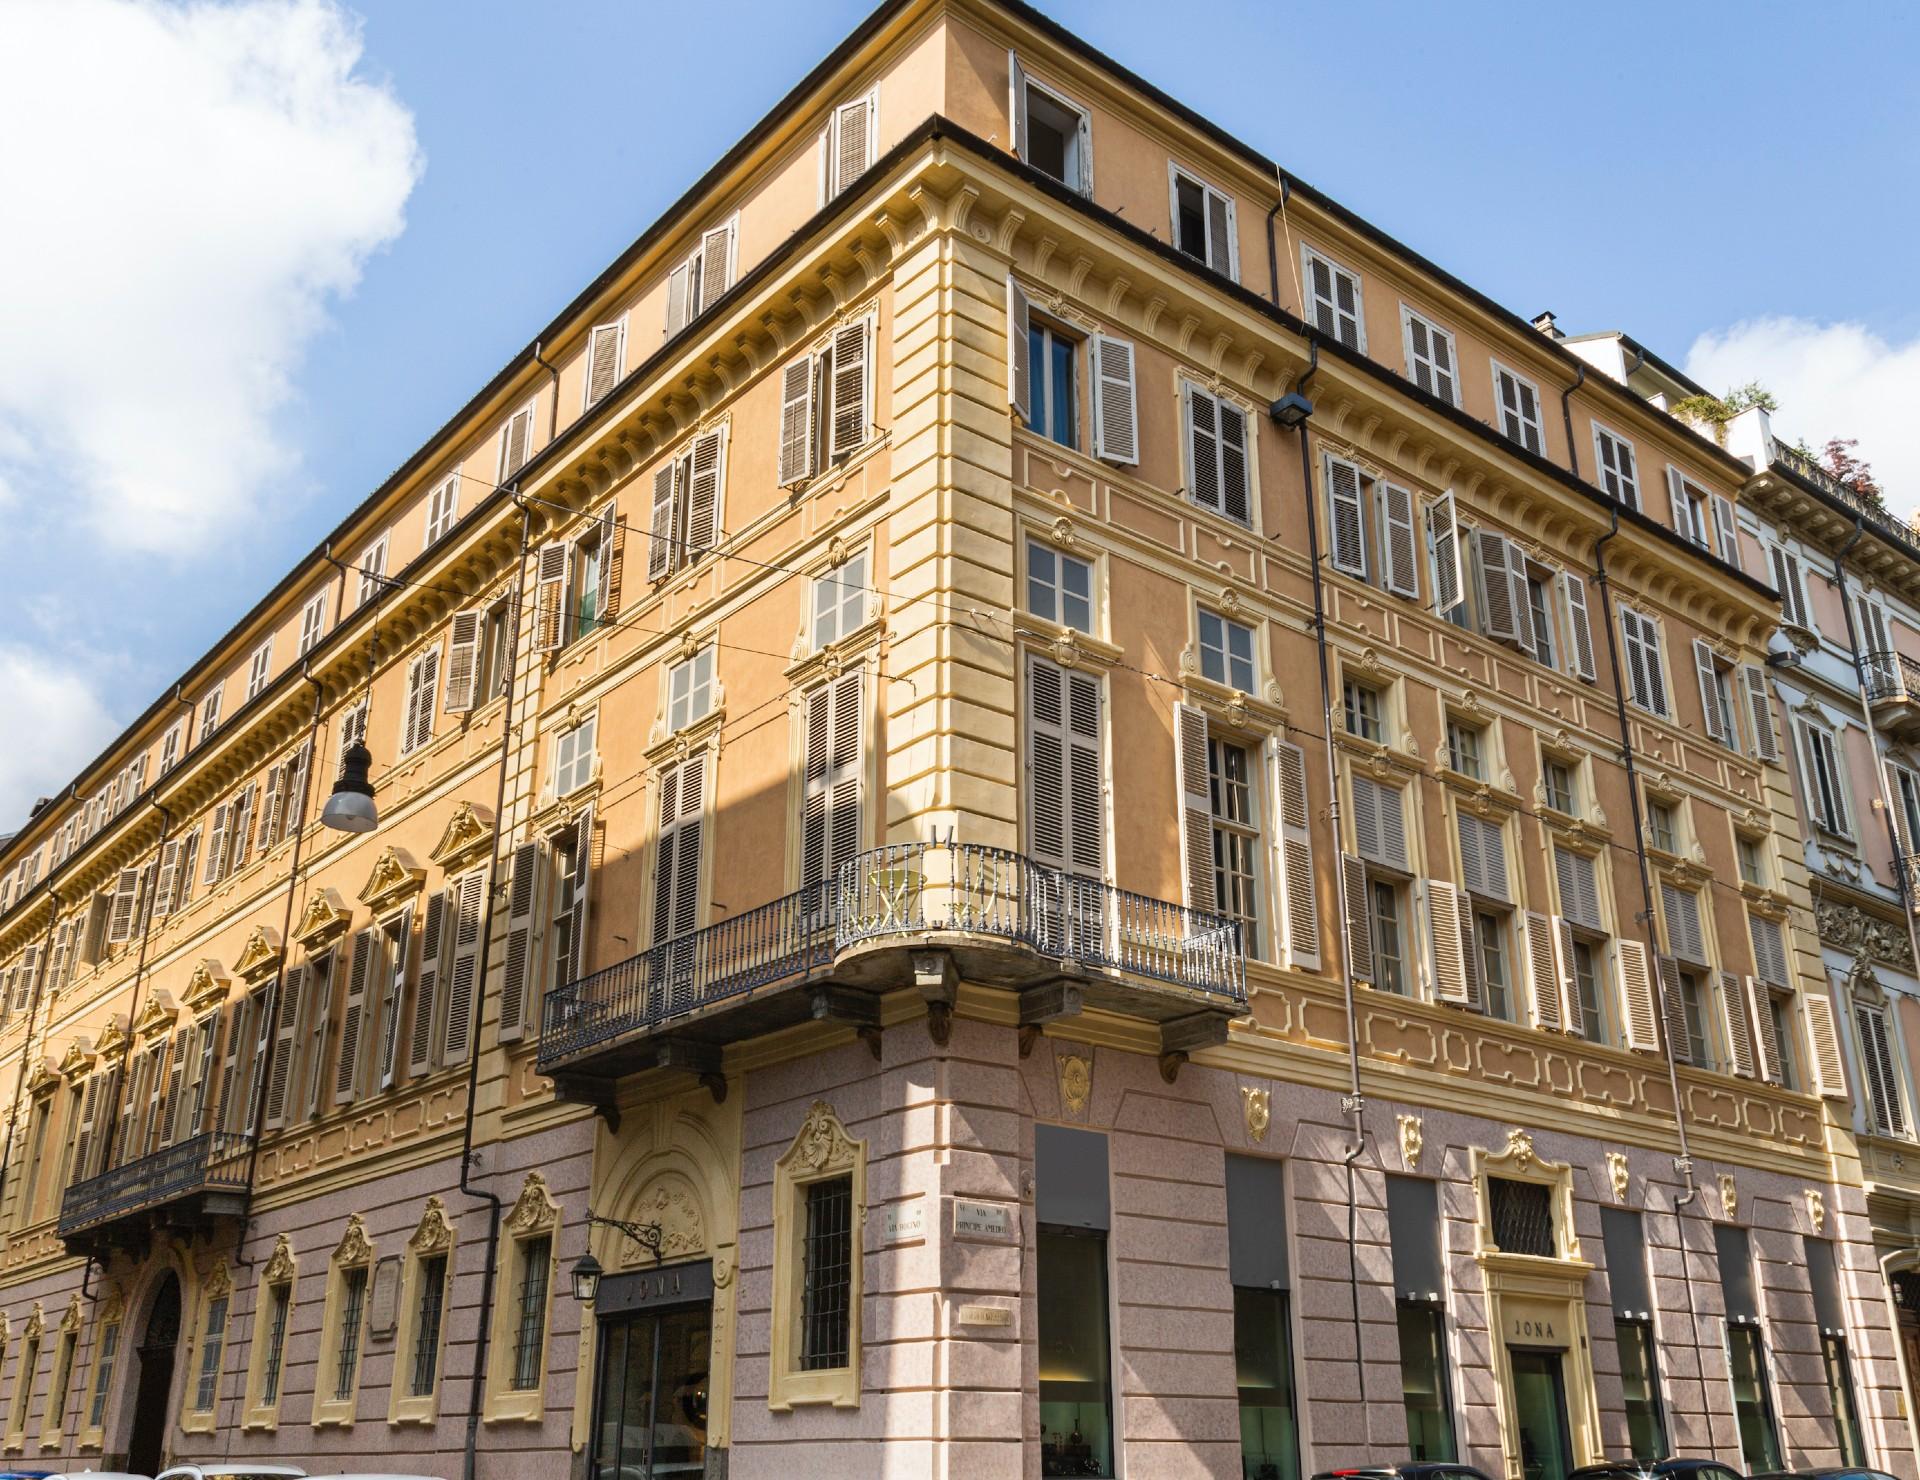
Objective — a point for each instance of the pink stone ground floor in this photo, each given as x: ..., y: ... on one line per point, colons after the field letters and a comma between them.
x: 962, y: 1265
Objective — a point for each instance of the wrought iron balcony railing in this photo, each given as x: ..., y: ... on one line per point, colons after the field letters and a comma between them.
x: 212, y: 1162
x: 1890, y: 675
x: 894, y: 895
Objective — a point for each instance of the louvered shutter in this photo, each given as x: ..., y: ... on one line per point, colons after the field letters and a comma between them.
x: 171, y: 1121
x: 1048, y: 820
x: 1196, y: 808
x: 1673, y: 1010
x: 1829, y: 1078
x: 550, y: 596
x: 1346, y: 524
x: 126, y: 899
x: 1379, y: 823
x: 1449, y: 573
x: 1793, y: 595
x: 1497, y: 617
x: 603, y: 360
x: 1473, y: 872
x: 1470, y: 954
x: 1641, y: 1027
x: 1578, y: 877
x: 233, y: 1065
x: 662, y: 555
x: 516, y: 442
x: 1235, y: 493
x: 666, y: 850
x: 796, y: 421
x: 1769, y: 950
x: 463, y: 662
x: 1116, y: 422
x: 716, y: 263
x: 1447, y: 948
x: 611, y: 556
x: 166, y: 880
x: 1573, y: 1014
x: 1703, y: 663
x: 1678, y: 513
x: 1017, y: 104
x: 852, y: 141
x: 1299, y: 907
x: 466, y: 901
x: 1573, y: 597
x: 206, y: 1041
x: 575, y: 966
x: 423, y: 682
x: 686, y: 863
x: 426, y: 992
x: 830, y: 810
x: 286, y: 1021
x: 143, y: 1129
x: 706, y: 488
x: 1522, y: 601
x: 1737, y: 1021
x: 1877, y: 1067
x: 851, y: 387
x: 1402, y: 559
x: 1359, y: 932
x: 83, y: 1147
x: 1203, y: 447
x: 1766, y: 739
x: 271, y: 801
x: 1684, y: 937
x: 1220, y: 243
x: 679, y: 297
x: 346, y: 1079
x: 318, y: 1002
x: 394, y: 1005
x: 240, y: 825
x: 1019, y: 353
x: 1726, y: 534
x: 1543, y: 980
x: 516, y: 977
x: 1766, y: 1045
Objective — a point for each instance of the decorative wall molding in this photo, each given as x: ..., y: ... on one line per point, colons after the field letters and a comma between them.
x: 1847, y: 927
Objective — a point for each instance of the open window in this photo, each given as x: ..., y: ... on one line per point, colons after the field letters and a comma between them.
x: 1051, y: 133
x: 826, y: 403
x: 1203, y: 222
x: 702, y: 278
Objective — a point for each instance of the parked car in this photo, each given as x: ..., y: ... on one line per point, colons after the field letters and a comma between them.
x: 374, y: 1475
x: 1413, y: 1469
x: 25, y: 1474
x: 1837, y: 1472
x: 1678, y: 1467
x: 232, y: 1469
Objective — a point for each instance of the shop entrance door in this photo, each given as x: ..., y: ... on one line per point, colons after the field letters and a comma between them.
x: 655, y: 1348
x: 1540, y: 1405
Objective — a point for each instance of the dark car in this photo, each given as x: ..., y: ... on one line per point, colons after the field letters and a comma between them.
x: 1837, y: 1472
x: 1677, y: 1468
x: 1408, y: 1470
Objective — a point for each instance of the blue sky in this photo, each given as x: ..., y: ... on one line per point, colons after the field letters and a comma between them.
x: 419, y: 186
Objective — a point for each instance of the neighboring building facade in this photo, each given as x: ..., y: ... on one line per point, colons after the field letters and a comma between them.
x: 1075, y: 815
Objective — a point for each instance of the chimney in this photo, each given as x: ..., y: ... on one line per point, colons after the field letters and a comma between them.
x: 1545, y: 324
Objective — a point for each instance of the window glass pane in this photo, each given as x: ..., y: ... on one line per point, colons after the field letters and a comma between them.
x: 1388, y: 965
x: 1076, y: 1417
x: 1492, y: 941
x: 1752, y: 1403
x: 1586, y: 976
x: 530, y: 1336
x: 1423, y: 1382
x: 1042, y: 582
x: 1076, y: 593
x: 1646, y: 1425
x: 1190, y: 219
x: 1846, y: 1416
x: 1263, y: 1359
x: 827, y: 1274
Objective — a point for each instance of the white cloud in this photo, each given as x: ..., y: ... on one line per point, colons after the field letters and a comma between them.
x: 59, y: 724
x: 188, y: 186
x: 1832, y: 380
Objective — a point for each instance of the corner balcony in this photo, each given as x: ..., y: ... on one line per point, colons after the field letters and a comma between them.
x: 920, y: 915
x: 185, y: 1186
x: 1893, y: 692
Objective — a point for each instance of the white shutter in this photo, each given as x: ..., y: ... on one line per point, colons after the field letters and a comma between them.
x: 1447, y: 949
x: 604, y: 354
x: 466, y: 900
x: 1497, y: 617
x: 1449, y: 571
x: 550, y: 596
x: 716, y: 263
x: 1726, y: 533
x: 796, y: 421
x: 662, y: 555
x: 831, y: 787
x: 270, y: 803
x: 167, y: 880
x: 393, y: 1013
x: 1299, y: 908
x: 679, y: 297
x: 1379, y: 822
x: 1823, y: 1041
x: 1222, y: 249
x: 1679, y: 513
x: 1641, y: 1025
x: 518, y: 968
x: 1346, y: 523
x: 1543, y: 978
x: 240, y: 828
x: 1576, y: 875
x: 516, y: 443
x: 706, y: 487
x: 463, y: 662
x: 851, y: 389
x: 1766, y: 1045
x: 1353, y: 874
x: 1766, y: 739
x: 1017, y: 104
x: 423, y: 682
x: 1681, y: 908
x: 1196, y: 807
x: 851, y: 142
x: 575, y: 966
x: 1019, y: 353
x: 126, y: 898
x: 1703, y: 663
x: 610, y: 561
x: 1573, y: 596
x: 1116, y: 424
x: 1400, y: 575
x: 1769, y: 950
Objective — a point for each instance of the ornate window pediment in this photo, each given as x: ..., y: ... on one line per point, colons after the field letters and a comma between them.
x: 46, y: 1078
x: 280, y: 1266
x: 72, y: 1319
x: 155, y: 1019
x: 113, y: 1037
x: 1517, y: 1161
x: 435, y: 1233
x: 207, y: 987
x: 394, y: 877
x: 468, y: 837
x: 354, y: 1247
x: 36, y: 1323
x: 260, y: 957
x: 77, y: 1060
x: 323, y: 918
x: 535, y: 1209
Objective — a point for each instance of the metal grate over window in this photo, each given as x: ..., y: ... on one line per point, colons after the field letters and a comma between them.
x: 828, y: 1275
x: 426, y: 1329
x: 349, y: 1363
x: 530, y: 1337
x: 1522, y: 1214
x: 1906, y: 1291
x: 276, y: 1345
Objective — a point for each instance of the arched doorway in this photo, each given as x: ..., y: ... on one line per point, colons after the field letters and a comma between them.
x: 147, y: 1439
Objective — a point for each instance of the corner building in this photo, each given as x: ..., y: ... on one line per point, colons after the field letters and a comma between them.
x: 1075, y: 817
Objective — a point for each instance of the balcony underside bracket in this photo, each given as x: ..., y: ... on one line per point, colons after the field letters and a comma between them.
x: 1180, y: 1037
x: 939, y: 984
x: 832, y: 1004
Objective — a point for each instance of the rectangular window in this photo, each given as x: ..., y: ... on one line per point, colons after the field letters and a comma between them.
x: 701, y: 280
x: 1419, y: 1287
x: 530, y: 1323
x: 1519, y: 405
x: 170, y: 745
x: 1463, y: 749
x: 1363, y: 709
x: 1050, y: 133
x: 606, y: 362
x: 1788, y: 582
x: 313, y: 622
x: 827, y: 1275
x: 516, y: 442
x: 840, y: 601
x: 1431, y: 362
x: 848, y: 145
x: 1753, y: 869
x: 574, y: 756
x: 1614, y: 457
x: 212, y: 1345
x: 1640, y: 1382
x: 1829, y: 1315
x: 1059, y: 587
x: 1690, y: 508
x: 209, y: 717
x: 259, y: 668
x: 690, y: 690
x: 1780, y: 1013
x: 1226, y: 651
x: 1540, y: 625
x: 1236, y: 838
x: 826, y: 410
x: 423, y: 687
x: 1752, y: 1398
x: 103, y: 1365
x: 282, y: 1298
x: 1389, y: 938
x: 426, y: 1325
x: 1072, y: 1218
x: 23, y: 1379
x: 1646, y: 667
x: 1333, y: 300
x: 1586, y: 984
x: 1203, y: 224
x: 1662, y: 827
x: 1557, y: 778
x: 1825, y: 779
x: 443, y: 507
x: 496, y: 652
x: 1053, y: 396
x: 373, y: 569
x: 1217, y: 474
x: 353, y: 1300
x: 1262, y: 1326
x: 1496, y: 976
x: 1694, y: 994
x: 1880, y: 1070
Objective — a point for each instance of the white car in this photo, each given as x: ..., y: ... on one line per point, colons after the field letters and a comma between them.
x: 232, y: 1469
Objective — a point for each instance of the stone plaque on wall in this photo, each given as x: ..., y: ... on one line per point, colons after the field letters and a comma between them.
x: 383, y: 1298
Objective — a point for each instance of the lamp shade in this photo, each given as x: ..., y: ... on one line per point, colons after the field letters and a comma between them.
x: 586, y: 1278
x: 350, y: 808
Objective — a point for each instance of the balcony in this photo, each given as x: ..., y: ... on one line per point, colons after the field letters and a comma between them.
x: 925, y: 915
x: 1892, y: 682
x: 183, y: 1186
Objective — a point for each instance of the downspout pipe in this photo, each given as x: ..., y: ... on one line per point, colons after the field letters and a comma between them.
x: 490, y: 1271
x: 553, y: 411
x: 1566, y: 415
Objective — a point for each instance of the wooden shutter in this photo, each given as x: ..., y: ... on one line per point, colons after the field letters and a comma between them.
x: 705, y: 491
x: 1736, y: 1017
x: 1766, y: 739
x: 550, y: 596
x: 1703, y: 663
x: 1401, y: 564
x: 1470, y: 953
x: 1766, y: 1046
x: 235, y: 1063
x: 423, y: 681
x: 852, y: 141
x: 1049, y: 821
x: 523, y: 898
x: 126, y: 899
x: 1353, y: 874
x: 83, y: 1148
x: 1793, y: 595
x: 1573, y: 597
x: 1019, y: 353
x: 1379, y: 822
x: 167, y: 880
x: 796, y: 421
x: 1449, y: 573
x: 1220, y: 242
x: 1823, y: 1041
x: 1447, y: 948
x: 1116, y: 422
x: 1543, y: 980
x: 1878, y: 1069
x: 1299, y: 908
x: 603, y: 359
x: 346, y: 1079
x: 1346, y: 523
x: 1573, y: 1014
x: 193, y: 1107
x: 1196, y: 807
x: 679, y: 296
x: 716, y: 263
x: 1017, y: 104
x: 466, y: 902
x: 1684, y: 937
x: 1203, y: 447
x: 286, y: 1021
x: 851, y: 387
x: 1726, y: 535
x: 575, y: 966
x: 1769, y: 950
x: 662, y: 554
x: 240, y: 828
x: 170, y: 1121
x: 394, y: 1008
x: 1498, y: 619
x: 271, y: 801
x: 1578, y: 878
x: 1235, y: 492
x: 612, y: 556
x: 830, y: 810
x: 1641, y: 1028
x: 1673, y: 1010
x: 463, y: 662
